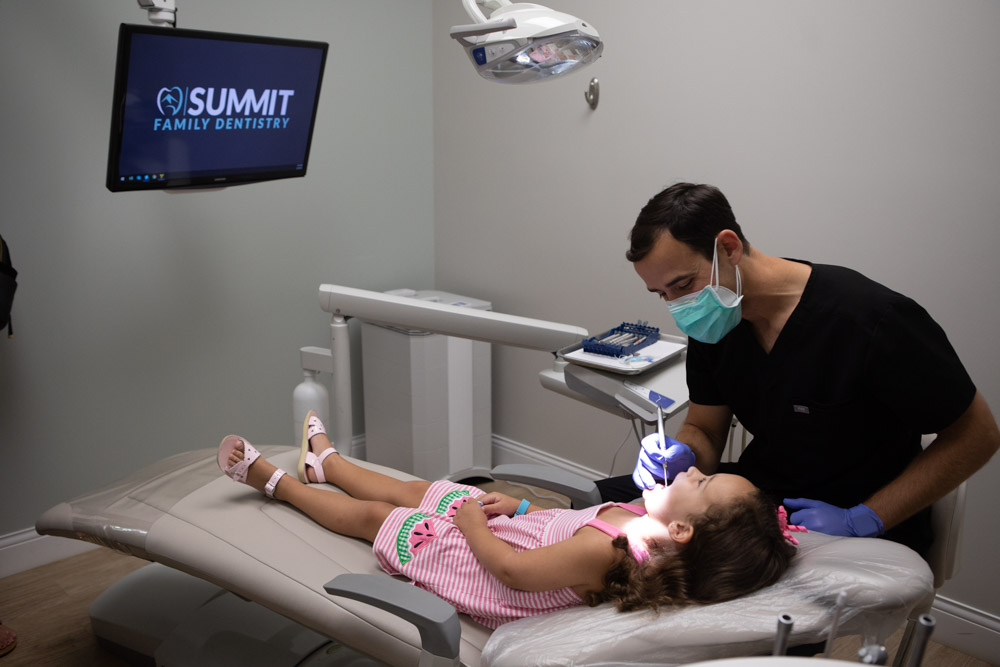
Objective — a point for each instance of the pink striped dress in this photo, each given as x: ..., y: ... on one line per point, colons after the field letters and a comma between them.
x: 425, y: 545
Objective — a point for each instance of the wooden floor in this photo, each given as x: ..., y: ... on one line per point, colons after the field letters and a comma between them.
x: 47, y: 607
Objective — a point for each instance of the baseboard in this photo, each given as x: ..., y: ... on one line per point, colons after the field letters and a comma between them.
x: 26, y: 549
x: 359, y: 448
x: 509, y: 451
x: 967, y: 629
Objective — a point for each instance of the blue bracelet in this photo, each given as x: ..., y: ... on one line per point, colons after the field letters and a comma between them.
x: 522, y: 508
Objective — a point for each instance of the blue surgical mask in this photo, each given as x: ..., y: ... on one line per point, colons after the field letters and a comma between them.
x: 713, y: 311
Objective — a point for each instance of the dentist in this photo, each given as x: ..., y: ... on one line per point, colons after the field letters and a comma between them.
x: 836, y: 376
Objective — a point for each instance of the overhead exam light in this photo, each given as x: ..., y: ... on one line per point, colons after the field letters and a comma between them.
x: 523, y: 42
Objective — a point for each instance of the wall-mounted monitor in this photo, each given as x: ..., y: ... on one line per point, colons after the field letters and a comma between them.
x: 208, y: 109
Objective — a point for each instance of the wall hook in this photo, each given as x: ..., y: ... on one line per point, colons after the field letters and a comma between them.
x: 593, y: 95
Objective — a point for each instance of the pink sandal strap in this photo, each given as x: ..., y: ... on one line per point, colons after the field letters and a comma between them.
x: 237, y: 472
x: 315, y: 426
x: 312, y: 425
x: 273, y: 482
x: 316, y: 462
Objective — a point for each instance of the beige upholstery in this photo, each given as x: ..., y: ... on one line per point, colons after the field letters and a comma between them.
x: 196, y: 520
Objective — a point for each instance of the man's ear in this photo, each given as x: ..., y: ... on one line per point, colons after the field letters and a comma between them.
x: 680, y: 532
x: 731, y: 246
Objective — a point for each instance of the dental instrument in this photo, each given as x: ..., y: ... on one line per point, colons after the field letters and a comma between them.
x: 663, y: 442
x: 660, y: 402
x: 624, y: 340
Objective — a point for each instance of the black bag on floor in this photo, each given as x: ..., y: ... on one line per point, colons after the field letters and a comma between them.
x: 8, y: 283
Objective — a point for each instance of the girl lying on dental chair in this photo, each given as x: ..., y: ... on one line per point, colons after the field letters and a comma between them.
x: 703, y: 539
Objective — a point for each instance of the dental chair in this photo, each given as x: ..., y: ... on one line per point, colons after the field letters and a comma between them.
x: 240, y: 579
x: 529, y: 641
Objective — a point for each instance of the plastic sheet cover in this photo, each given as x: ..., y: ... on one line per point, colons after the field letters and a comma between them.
x: 120, y: 515
x: 883, y: 582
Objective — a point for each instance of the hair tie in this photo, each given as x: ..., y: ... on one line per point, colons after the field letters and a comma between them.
x: 786, y: 528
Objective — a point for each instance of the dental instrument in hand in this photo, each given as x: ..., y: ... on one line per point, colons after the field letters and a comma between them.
x: 663, y: 441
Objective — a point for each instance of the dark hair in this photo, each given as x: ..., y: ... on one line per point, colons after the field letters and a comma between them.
x: 692, y: 214
x: 735, y: 550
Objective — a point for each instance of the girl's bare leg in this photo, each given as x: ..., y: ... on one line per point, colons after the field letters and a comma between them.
x: 363, y: 483
x: 334, y: 511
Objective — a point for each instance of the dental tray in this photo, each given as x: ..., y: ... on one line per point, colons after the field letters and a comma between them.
x: 663, y: 348
x: 624, y: 340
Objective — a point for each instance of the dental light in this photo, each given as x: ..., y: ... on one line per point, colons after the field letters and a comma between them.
x: 523, y: 42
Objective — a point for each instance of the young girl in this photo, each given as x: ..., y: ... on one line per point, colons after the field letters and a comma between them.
x: 702, y: 539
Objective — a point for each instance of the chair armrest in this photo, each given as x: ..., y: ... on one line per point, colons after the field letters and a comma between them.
x: 436, y: 620
x: 581, y: 491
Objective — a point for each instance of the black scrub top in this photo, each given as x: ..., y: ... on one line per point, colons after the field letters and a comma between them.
x: 838, y: 407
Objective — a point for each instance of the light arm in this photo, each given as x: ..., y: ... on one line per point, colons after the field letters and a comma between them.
x: 392, y: 310
x: 409, y: 313
x: 161, y: 12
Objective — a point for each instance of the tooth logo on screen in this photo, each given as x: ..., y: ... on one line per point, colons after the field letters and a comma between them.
x: 198, y: 108
x: 170, y: 99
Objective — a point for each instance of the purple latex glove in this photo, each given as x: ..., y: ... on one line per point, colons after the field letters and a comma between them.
x: 677, y: 457
x: 858, y: 521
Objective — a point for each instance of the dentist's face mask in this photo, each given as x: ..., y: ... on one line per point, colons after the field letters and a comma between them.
x: 710, y: 313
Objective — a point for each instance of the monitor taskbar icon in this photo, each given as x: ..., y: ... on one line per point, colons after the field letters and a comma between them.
x: 144, y: 178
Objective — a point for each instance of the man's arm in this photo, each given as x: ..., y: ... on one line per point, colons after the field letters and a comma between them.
x: 705, y: 431
x: 958, y: 451
x: 700, y: 441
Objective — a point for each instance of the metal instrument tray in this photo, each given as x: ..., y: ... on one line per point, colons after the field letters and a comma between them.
x: 663, y: 350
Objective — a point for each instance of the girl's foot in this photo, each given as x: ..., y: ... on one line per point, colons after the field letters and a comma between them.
x: 258, y: 472
x: 316, y: 448
x: 319, y: 444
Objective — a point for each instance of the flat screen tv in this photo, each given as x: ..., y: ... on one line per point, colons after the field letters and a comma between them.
x: 208, y: 109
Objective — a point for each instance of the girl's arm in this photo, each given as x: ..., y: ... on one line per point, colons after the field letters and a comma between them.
x: 500, y: 503
x: 582, y: 560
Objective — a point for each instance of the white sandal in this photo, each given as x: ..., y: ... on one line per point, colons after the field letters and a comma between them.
x: 238, y: 472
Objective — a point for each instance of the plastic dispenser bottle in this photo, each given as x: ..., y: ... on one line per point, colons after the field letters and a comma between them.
x: 310, y: 394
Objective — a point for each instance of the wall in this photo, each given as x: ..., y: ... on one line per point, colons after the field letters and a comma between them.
x: 152, y: 323
x: 853, y: 133
x: 861, y: 134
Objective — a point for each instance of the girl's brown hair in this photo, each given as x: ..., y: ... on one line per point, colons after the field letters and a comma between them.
x: 735, y: 550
